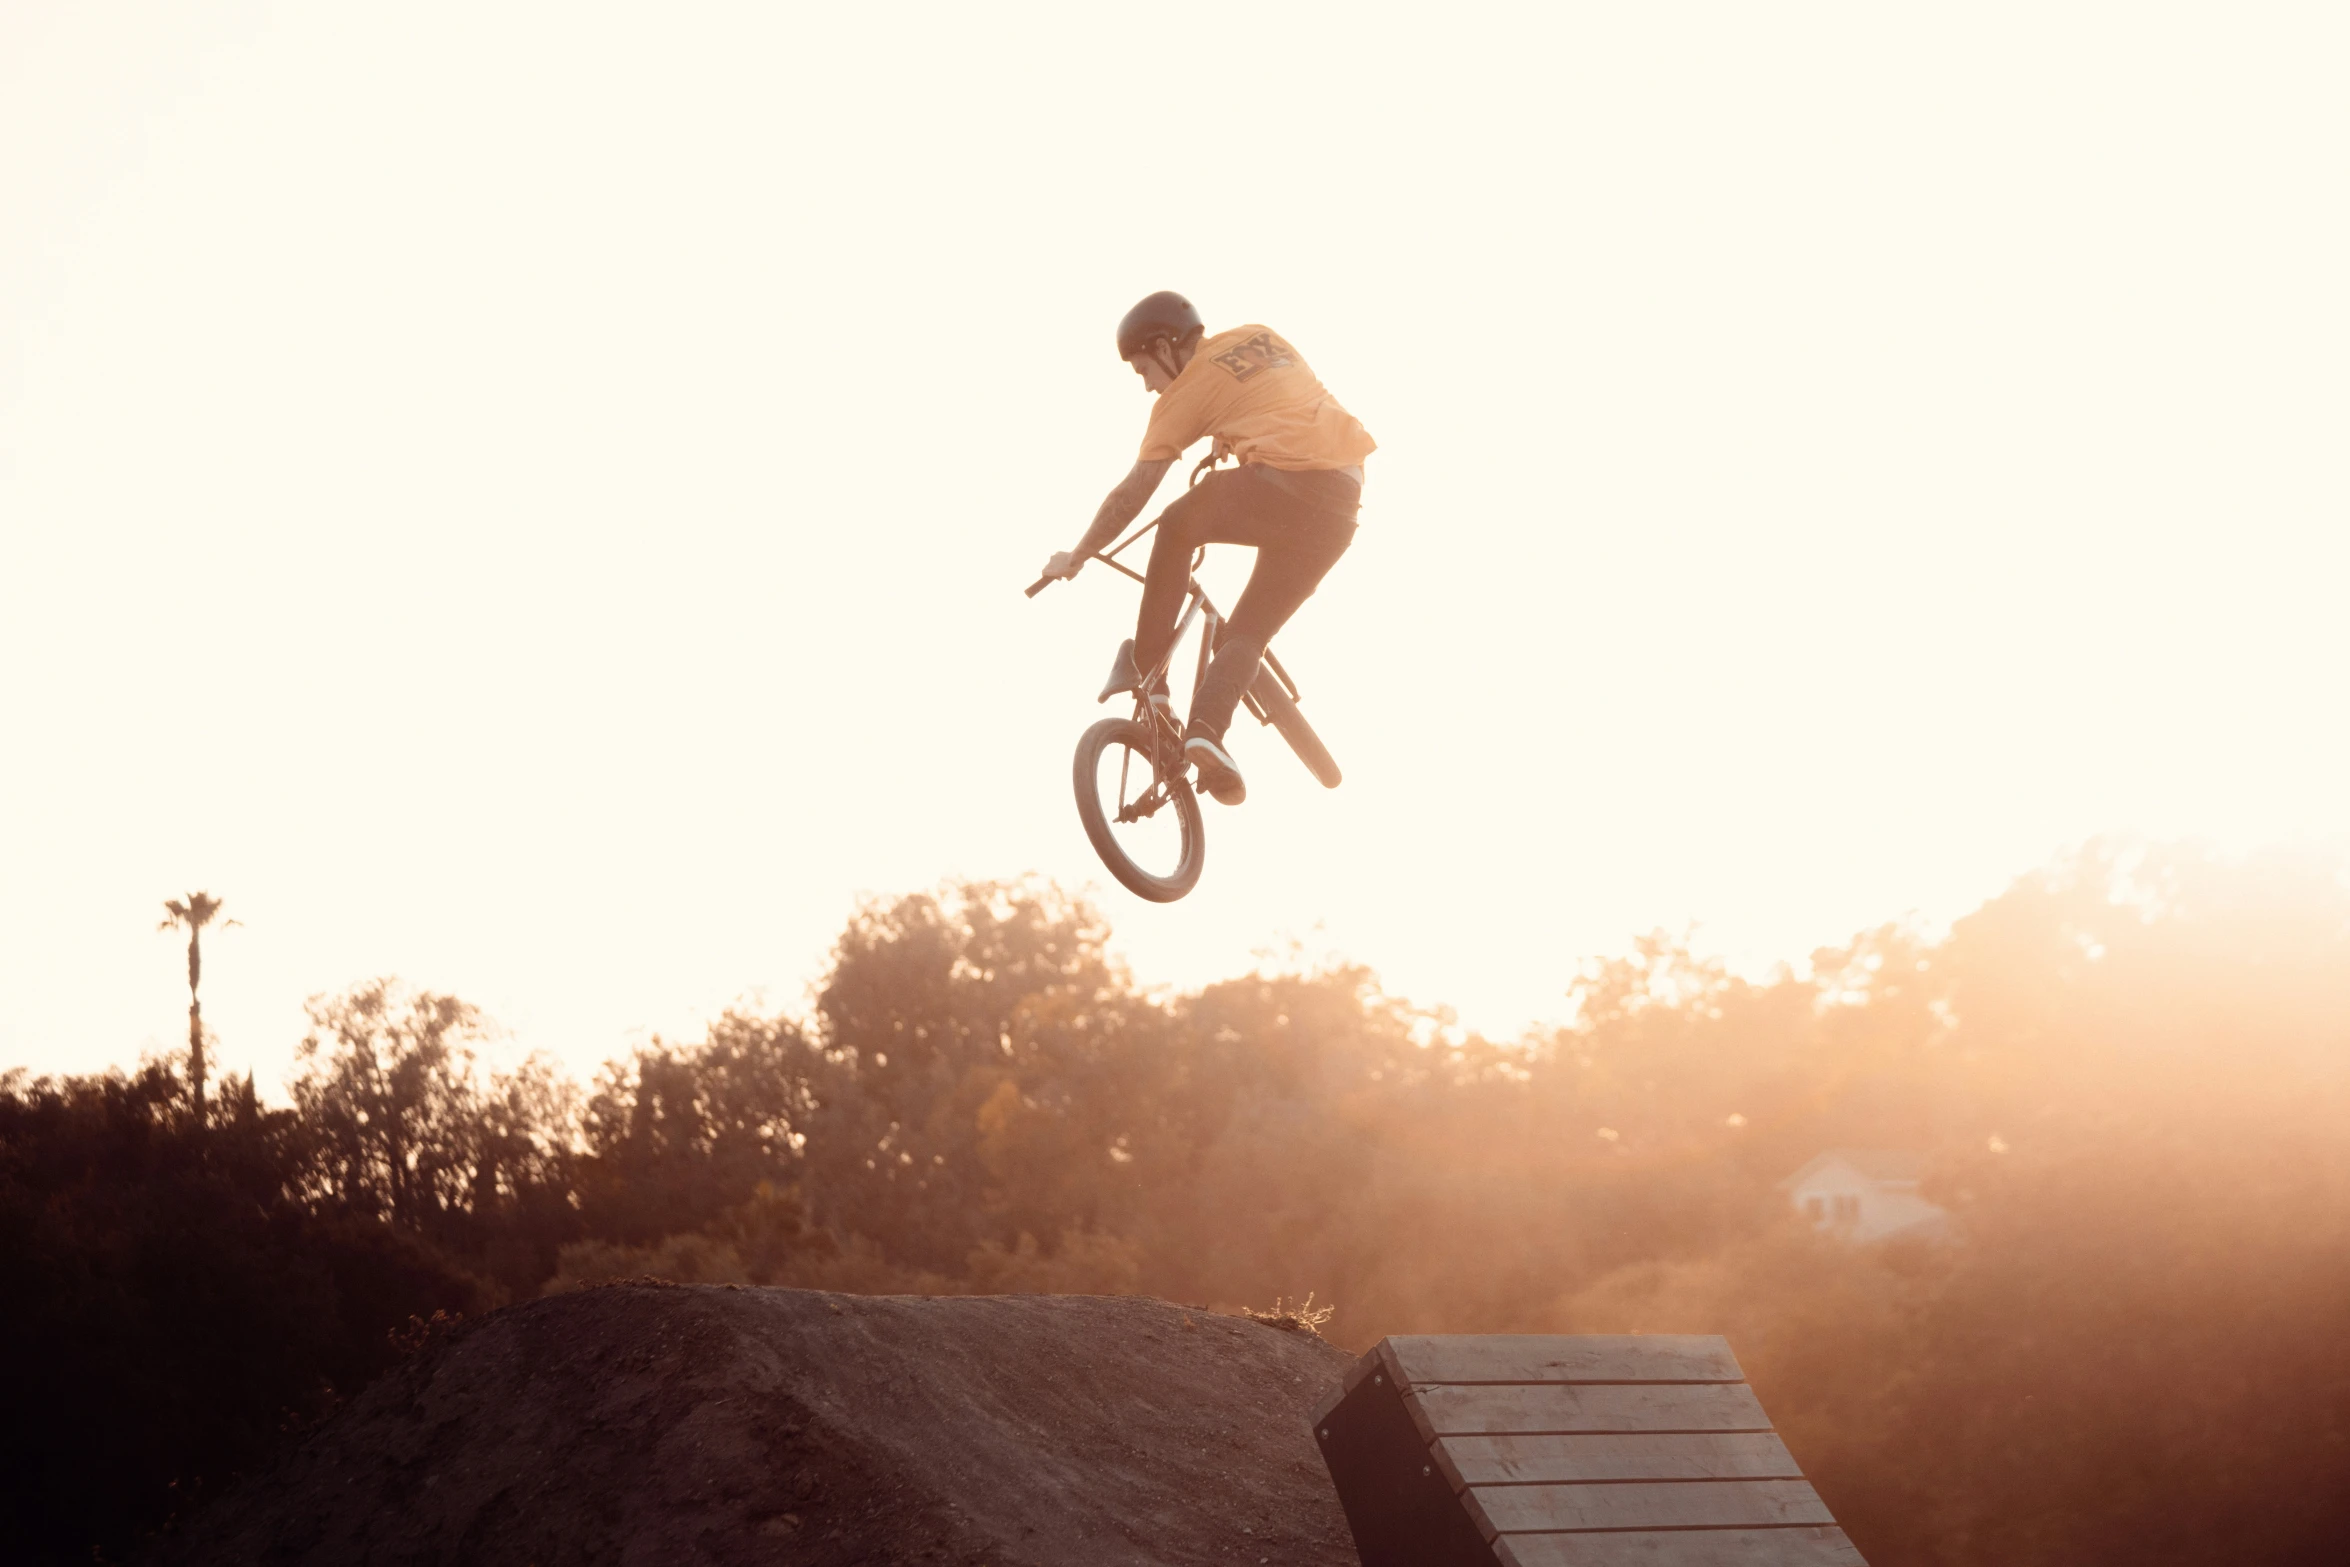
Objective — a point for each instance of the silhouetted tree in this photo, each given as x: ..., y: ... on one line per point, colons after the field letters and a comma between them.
x: 173, y: 1308
x: 386, y: 1088
x: 924, y: 1017
x: 192, y: 914
x: 403, y: 1125
x: 677, y: 1136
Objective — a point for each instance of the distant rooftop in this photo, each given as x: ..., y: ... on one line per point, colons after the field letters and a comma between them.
x: 1878, y: 1164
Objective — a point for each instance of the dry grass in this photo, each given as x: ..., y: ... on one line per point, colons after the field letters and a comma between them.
x: 1304, y: 1317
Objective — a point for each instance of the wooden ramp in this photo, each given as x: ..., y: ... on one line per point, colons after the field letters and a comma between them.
x: 1500, y: 1450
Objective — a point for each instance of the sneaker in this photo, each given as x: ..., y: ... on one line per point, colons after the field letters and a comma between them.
x: 1205, y: 752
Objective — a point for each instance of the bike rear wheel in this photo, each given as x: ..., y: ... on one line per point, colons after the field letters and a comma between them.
x: 1280, y: 709
x: 1146, y: 827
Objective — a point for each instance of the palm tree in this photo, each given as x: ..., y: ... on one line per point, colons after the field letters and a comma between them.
x: 192, y: 914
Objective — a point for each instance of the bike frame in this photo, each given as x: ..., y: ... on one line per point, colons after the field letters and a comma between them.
x: 1196, y: 604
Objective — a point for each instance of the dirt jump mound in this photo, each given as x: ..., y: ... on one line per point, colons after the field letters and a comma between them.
x: 691, y: 1424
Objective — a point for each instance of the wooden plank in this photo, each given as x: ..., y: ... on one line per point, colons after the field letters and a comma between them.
x: 1421, y: 1359
x: 1677, y: 1504
x: 1555, y: 1406
x: 1522, y: 1460
x: 1682, y: 1548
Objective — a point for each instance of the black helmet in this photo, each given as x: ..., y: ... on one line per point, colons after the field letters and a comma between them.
x: 1164, y: 315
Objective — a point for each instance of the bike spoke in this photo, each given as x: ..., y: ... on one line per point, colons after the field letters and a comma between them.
x: 1136, y: 801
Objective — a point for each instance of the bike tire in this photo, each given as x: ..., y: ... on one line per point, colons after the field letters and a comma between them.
x: 1281, y: 710
x: 1137, y: 879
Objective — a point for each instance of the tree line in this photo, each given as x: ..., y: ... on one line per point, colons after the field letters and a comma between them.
x: 2128, y: 1072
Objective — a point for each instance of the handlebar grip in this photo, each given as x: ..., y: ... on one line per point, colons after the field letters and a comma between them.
x: 1040, y: 584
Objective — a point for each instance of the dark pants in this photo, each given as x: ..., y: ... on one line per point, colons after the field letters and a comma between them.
x: 1299, y: 524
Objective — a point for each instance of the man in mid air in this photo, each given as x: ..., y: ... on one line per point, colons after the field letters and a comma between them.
x: 1293, y: 497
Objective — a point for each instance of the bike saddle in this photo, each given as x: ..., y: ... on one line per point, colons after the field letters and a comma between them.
x: 1124, y: 676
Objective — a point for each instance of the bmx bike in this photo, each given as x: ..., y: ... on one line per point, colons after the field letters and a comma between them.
x: 1135, y: 795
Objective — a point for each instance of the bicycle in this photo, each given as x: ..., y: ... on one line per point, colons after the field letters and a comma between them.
x: 1139, y: 805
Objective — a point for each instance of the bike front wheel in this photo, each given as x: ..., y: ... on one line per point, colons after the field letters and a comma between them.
x: 1144, y: 824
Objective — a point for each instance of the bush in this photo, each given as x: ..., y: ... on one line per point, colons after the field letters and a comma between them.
x: 171, y: 1311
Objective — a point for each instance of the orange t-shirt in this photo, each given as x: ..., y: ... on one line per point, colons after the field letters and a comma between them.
x: 1254, y: 390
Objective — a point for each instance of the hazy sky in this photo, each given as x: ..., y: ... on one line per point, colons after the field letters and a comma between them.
x: 535, y: 497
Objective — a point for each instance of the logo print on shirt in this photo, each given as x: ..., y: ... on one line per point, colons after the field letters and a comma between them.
x: 1258, y: 353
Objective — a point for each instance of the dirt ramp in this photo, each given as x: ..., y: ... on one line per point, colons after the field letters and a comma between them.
x: 687, y: 1424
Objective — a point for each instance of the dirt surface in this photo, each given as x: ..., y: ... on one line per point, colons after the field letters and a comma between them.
x: 645, y: 1423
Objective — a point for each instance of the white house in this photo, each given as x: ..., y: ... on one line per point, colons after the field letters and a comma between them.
x: 1865, y: 1195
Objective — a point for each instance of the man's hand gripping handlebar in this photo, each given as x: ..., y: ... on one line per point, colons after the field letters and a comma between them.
x: 1052, y: 576
x: 1206, y: 465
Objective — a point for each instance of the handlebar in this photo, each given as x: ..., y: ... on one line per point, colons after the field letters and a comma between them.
x: 1040, y: 584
